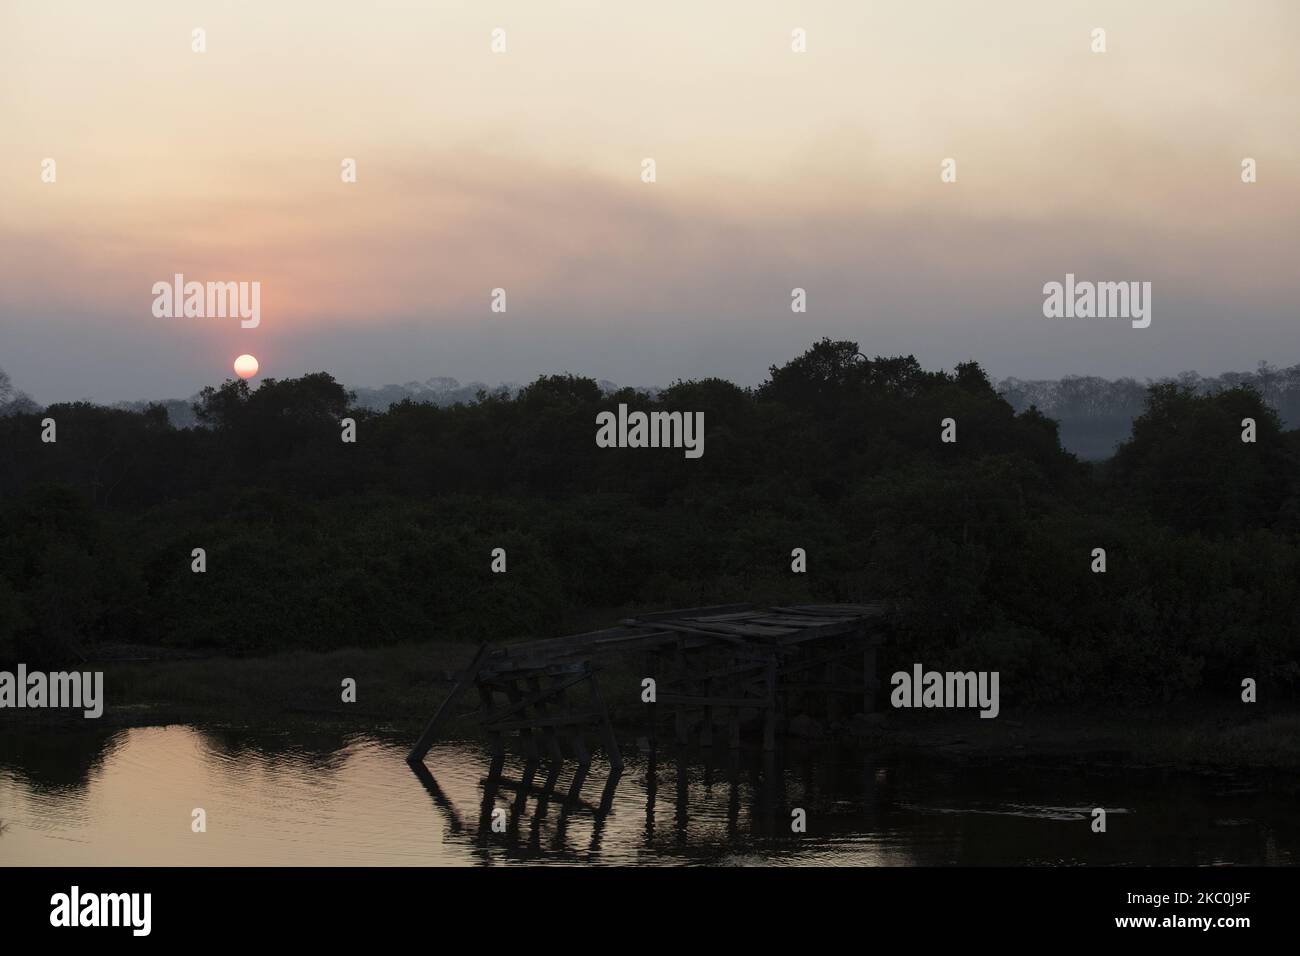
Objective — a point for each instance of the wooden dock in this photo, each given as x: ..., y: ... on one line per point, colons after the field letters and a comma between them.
x: 711, y: 666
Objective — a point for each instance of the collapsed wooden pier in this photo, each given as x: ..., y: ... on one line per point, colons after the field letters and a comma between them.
x: 730, y: 665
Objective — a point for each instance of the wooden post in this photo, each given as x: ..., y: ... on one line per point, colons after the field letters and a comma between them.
x: 652, y: 708
x: 521, y: 798
x: 830, y: 694
x: 733, y: 794
x: 681, y: 714
x: 490, y: 786
x: 466, y: 678
x: 526, y: 740
x: 575, y: 786
x: 548, y: 731
x: 548, y: 791
x: 769, y: 712
x: 606, y: 728
x: 561, y: 703
x: 580, y: 754
x: 651, y: 792
x: 494, y: 737
x: 869, y: 680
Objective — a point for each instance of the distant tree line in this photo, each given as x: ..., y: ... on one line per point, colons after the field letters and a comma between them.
x: 985, y: 545
x: 1094, y: 415
x: 1097, y: 414
x: 12, y: 401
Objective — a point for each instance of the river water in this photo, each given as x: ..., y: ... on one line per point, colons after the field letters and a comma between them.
x: 129, y: 796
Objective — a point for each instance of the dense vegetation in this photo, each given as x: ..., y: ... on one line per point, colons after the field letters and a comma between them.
x: 985, y: 544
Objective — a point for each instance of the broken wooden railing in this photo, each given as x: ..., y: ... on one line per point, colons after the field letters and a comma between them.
x: 709, y: 665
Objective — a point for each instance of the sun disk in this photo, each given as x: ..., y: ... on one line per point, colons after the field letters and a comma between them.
x: 245, y: 366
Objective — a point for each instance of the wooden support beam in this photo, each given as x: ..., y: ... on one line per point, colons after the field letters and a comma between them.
x: 869, y: 682
x: 525, y: 733
x: 712, y: 611
x: 548, y: 730
x: 606, y: 728
x: 494, y: 733
x: 580, y: 752
x: 575, y: 785
x: 769, y: 714
x: 463, y: 682
x: 707, y: 662
x: 681, y: 724
x: 519, y: 702
x: 652, y: 708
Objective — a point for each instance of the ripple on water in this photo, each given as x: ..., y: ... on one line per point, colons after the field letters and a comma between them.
x: 335, y: 800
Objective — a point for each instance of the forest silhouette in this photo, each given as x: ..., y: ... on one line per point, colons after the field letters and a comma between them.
x: 984, y: 547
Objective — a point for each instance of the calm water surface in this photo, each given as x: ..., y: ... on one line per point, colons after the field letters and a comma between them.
x: 126, y: 797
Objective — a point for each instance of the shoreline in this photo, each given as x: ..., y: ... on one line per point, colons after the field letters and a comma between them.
x: 399, y: 686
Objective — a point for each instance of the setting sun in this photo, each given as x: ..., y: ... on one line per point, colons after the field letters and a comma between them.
x: 245, y: 366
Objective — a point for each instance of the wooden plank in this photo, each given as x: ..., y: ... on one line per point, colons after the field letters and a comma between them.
x: 790, y: 620
x: 689, y: 612
x: 831, y: 630
x: 838, y: 610
x: 711, y: 632
x: 757, y: 630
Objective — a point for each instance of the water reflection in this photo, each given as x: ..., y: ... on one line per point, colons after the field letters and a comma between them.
x: 86, y: 798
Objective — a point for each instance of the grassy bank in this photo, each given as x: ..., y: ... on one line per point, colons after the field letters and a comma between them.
x: 399, y: 687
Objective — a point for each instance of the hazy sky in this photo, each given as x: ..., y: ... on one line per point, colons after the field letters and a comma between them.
x: 522, y: 170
